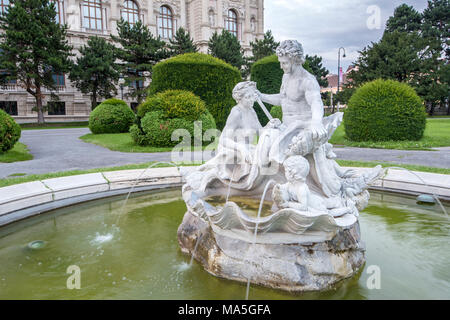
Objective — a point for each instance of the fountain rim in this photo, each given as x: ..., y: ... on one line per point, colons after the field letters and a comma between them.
x: 21, y: 201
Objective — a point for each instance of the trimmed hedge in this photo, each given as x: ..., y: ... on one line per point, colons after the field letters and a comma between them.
x: 277, y: 112
x: 268, y: 76
x: 385, y: 110
x: 209, y: 78
x: 9, y: 132
x: 166, y: 112
x: 111, y: 116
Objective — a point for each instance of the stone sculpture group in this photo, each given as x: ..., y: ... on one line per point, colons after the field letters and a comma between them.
x: 310, y: 237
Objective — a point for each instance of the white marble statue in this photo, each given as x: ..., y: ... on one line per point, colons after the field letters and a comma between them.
x: 293, y: 159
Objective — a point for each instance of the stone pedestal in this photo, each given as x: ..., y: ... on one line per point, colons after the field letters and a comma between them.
x: 293, y: 267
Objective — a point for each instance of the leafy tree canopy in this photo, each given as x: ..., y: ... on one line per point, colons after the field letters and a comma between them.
x: 34, y: 47
x: 182, y: 43
x: 96, y: 71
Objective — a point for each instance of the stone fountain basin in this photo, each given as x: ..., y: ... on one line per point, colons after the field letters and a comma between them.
x: 285, y: 226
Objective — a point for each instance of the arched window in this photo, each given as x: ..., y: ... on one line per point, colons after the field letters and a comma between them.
x: 165, y: 22
x: 130, y: 12
x: 92, y: 14
x: 59, y: 5
x: 4, y: 4
x: 231, y: 23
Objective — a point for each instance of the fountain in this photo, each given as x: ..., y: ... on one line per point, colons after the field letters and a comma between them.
x: 308, y: 238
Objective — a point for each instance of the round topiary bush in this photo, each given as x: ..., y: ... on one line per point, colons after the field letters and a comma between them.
x: 277, y: 112
x: 207, y: 77
x: 268, y: 75
x: 9, y: 132
x: 384, y: 110
x: 160, y: 115
x: 111, y: 116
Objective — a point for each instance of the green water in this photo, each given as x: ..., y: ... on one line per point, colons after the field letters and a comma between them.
x: 140, y: 258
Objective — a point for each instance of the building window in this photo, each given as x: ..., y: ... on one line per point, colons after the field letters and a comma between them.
x: 130, y: 12
x: 231, y: 23
x: 92, y: 14
x: 4, y: 4
x: 59, y: 80
x: 165, y: 22
x: 56, y: 108
x: 59, y: 6
x: 10, y: 107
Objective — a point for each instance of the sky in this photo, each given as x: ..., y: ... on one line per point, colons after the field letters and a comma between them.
x: 323, y: 26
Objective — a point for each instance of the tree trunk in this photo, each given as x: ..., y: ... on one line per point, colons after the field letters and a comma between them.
x: 39, y: 108
x: 431, y: 109
x: 93, y: 100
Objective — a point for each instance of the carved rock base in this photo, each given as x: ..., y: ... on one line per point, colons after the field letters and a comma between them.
x: 291, y: 267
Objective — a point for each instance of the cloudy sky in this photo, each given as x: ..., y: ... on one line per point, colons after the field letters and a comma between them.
x: 322, y: 26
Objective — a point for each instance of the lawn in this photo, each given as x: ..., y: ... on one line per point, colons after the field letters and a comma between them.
x: 54, y: 125
x: 437, y: 134
x: 121, y: 142
x: 18, y: 153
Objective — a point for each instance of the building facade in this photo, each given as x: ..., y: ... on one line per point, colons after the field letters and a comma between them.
x: 243, y: 18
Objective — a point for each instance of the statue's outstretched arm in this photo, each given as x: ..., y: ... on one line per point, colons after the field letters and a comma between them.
x: 273, y: 99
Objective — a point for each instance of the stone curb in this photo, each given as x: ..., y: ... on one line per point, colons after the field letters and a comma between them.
x: 27, y: 199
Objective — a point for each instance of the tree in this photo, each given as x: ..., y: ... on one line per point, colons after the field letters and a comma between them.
x: 396, y: 56
x: 264, y: 47
x: 96, y: 70
x: 405, y: 19
x: 139, y: 51
x: 182, y: 43
x: 34, y: 47
x: 316, y: 68
x: 436, y: 20
x: 226, y: 46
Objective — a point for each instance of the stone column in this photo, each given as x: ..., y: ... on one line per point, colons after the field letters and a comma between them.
x: 183, y: 22
x: 115, y: 16
x: 151, y: 19
x: 205, y: 21
x: 247, y: 32
x: 220, y: 14
x: 260, y: 19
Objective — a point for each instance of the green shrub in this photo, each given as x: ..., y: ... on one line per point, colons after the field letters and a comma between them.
x: 385, y: 110
x: 277, y: 112
x: 209, y: 78
x: 9, y: 132
x: 268, y: 75
x: 111, y: 116
x: 166, y: 112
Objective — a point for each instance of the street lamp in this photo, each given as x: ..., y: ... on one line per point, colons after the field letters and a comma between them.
x: 339, y: 69
x: 121, y: 83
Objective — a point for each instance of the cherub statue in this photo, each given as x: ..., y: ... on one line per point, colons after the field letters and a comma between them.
x: 295, y: 193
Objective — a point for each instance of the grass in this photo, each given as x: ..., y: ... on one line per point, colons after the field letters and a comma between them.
x: 36, y: 177
x: 54, y: 125
x: 123, y: 142
x: 437, y: 134
x: 18, y: 153
x: 412, y: 167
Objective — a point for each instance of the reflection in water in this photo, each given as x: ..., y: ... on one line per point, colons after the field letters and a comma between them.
x: 141, y: 258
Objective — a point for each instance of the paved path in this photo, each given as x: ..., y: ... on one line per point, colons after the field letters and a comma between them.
x: 61, y: 150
